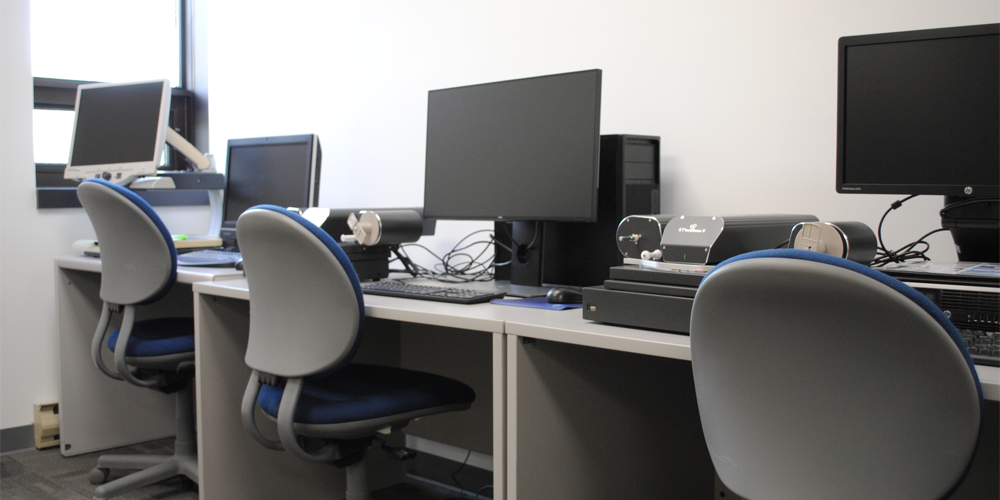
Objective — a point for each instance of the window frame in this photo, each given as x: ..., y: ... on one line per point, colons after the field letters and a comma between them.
x: 188, y: 117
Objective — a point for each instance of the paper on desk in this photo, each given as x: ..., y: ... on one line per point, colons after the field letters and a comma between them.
x: 535, y: 302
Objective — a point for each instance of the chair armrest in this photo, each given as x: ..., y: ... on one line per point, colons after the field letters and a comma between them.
x: 247, y: 411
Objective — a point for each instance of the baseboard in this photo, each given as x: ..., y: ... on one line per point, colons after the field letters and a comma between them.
x: 17, y: 438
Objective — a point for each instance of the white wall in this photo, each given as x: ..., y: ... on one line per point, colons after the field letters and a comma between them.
x: 743, y: 94
x: 20, y: 336
x: 31, y: 239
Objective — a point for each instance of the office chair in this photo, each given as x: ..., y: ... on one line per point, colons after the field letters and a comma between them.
x: 138, y: 266
x: 306, y: 322
x: 820, y: 378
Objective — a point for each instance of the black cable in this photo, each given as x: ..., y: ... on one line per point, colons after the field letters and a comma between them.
x: 461, y: 489
x: 518, y: 245
x: 501, y: 245
x: 896, y: 204
x: 407, y: 264
x: 457, y: 266
x: 906, y: 252
x: 464, y: 263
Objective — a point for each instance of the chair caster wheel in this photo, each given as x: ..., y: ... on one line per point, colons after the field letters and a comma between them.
x: 98, y: 476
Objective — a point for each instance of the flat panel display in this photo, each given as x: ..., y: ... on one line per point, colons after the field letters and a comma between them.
x: 281, y: 171
x: 919, y: 112
x: 119, y: 130
x: 517, y: 150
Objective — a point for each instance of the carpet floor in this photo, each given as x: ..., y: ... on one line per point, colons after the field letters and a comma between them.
x: 47, y: 475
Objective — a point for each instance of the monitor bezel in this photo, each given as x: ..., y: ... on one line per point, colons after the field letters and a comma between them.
x: 901, y: 187
x: 592, y: 217
x: 126, y: 169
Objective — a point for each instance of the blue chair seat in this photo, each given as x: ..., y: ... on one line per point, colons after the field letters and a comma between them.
x: 361, y: 392
x: 158, y: 337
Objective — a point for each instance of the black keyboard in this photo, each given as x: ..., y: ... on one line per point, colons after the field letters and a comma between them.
x: 984, y: 347
x: 437, y: 293
x: 209, y: 258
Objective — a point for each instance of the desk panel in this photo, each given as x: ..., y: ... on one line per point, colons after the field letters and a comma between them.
x: 462, y: 355
x: 592, y: 423
x: 231, y: 464
x: 96, y: 411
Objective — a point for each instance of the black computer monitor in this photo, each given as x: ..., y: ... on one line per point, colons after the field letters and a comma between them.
x: 918, y: 112
x: 281, y: 171
x: 523, y: 151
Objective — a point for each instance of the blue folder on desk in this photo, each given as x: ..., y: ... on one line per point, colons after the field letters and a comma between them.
x: 536, y: 302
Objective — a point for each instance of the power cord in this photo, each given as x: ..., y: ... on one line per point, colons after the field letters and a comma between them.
x: 461, y: 489
x: 514, y: 242
x: 459, y: 265
x: 522, y: 250
x: 907, y: 252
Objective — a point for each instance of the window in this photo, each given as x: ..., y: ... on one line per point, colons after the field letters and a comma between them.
x: 75, y: 42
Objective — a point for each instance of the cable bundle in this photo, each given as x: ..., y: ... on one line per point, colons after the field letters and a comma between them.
x: 458, y: 265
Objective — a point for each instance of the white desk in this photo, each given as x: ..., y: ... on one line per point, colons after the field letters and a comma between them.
x: 97, y: 412
x: 581, y: 407
x: 396, y: 333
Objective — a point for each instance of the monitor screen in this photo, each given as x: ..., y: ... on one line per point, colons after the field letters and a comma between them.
x: 281, y: 171
x: 517, y: 150
x: 119, y: 130
x: 919, y: 112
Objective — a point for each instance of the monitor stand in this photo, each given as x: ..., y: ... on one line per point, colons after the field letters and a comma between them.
x: 523, y: 276
x: 526, y: 254
x: 974, y: 227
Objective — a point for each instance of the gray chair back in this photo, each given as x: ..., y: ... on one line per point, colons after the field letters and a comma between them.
x: 306, y: 309
x: 815, y: 380
x: 138, y: 258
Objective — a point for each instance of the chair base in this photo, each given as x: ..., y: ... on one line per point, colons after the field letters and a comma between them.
x: 154, y: 468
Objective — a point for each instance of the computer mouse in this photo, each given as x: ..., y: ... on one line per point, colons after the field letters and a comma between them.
x: 239, y: 265
x: 564, y: 296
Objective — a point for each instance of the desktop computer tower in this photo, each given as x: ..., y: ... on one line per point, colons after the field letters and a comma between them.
x: 581, y: 253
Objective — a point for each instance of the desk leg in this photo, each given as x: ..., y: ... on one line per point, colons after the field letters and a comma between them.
x: 499, y: 416
x: 510, y: 446
x: 97, y: 412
